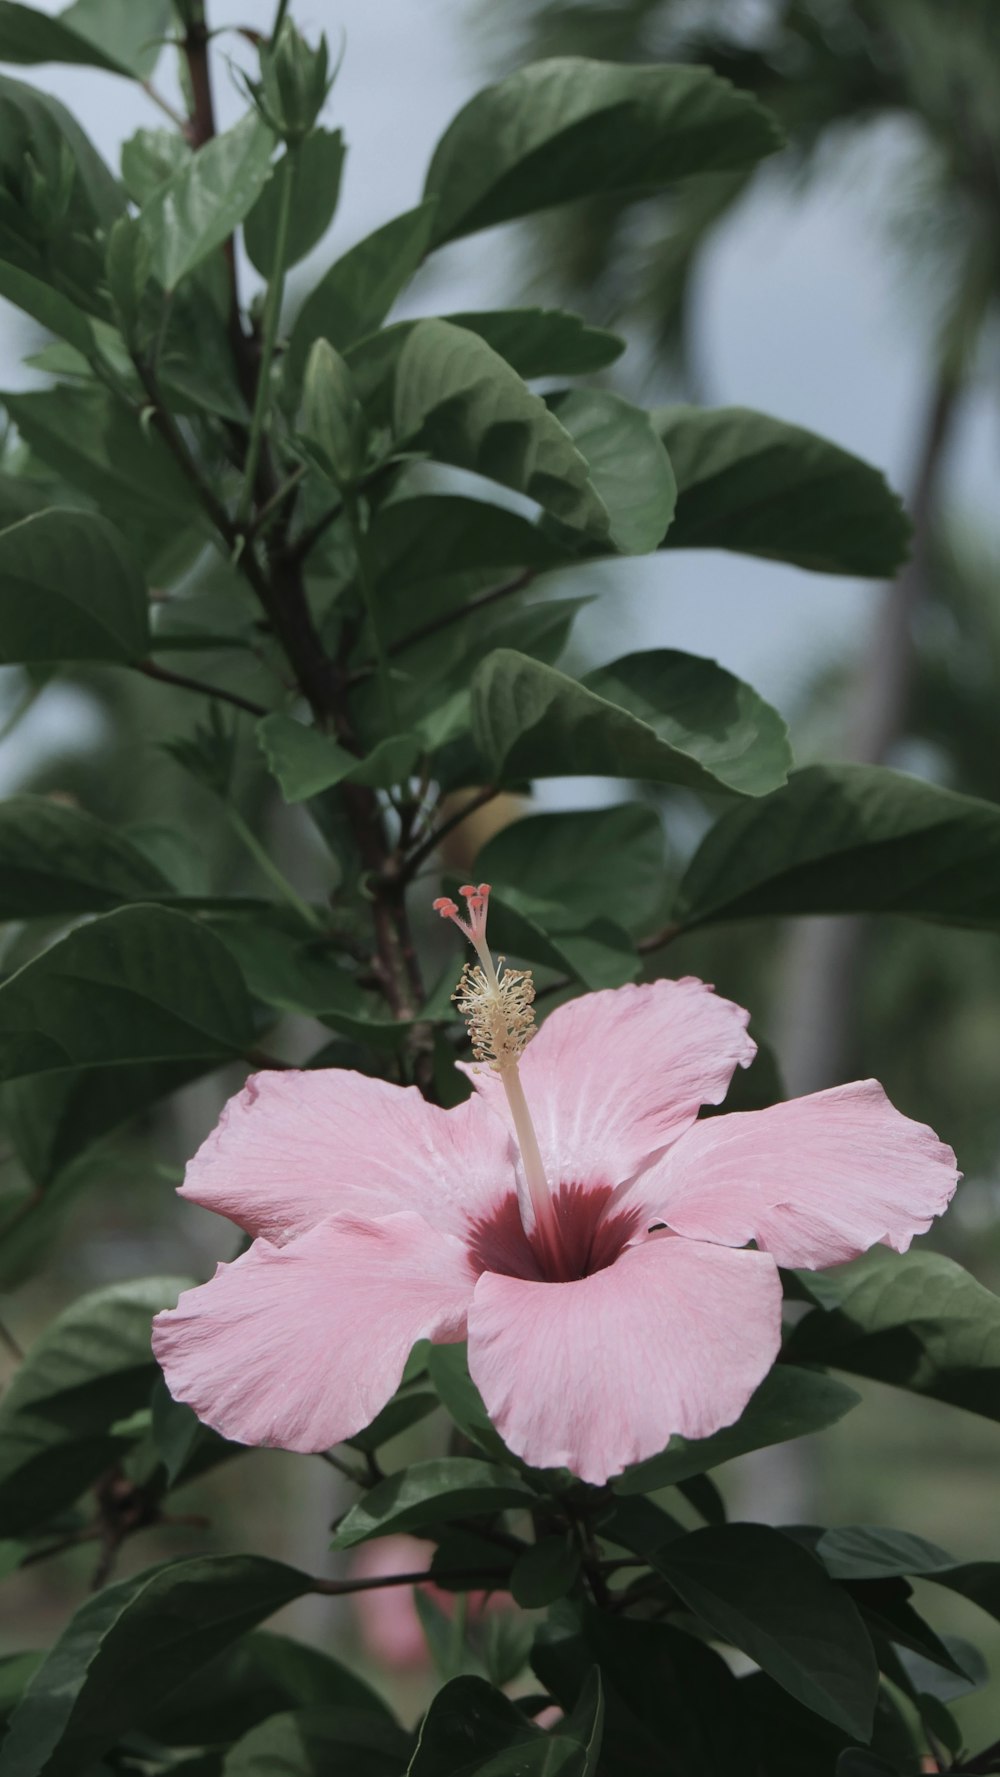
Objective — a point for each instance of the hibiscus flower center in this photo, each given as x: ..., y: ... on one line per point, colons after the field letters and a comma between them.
x: 588, y: 1239
x: 498, y: 1007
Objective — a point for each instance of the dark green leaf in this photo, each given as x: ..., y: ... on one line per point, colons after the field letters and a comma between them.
x: 406, y: 1409
x: 568, y: 128
x: 315, y: 169
x: 534, y: 865
x: 55, y: 859
x: 543, y: 342
x: 52, y: 1118
x: 355, y: 295
x: 757, y: 1589
x: 789, y: 1403
x: 53, y: 311
x: 133, y: 35
x: 97, y: 444
x: 206, y: 198
x: 15, y: 1671
x: 35, y: 123
x: 627, y: 462
x: 261, y: 1675
x: 916, y: 1320
x: 135, y: 986
x: 91, y: 1368
x: 332, y: 429
x: 132, y: 1645
x: 306, y: 762
x: 862, y: 1552
x: 759, y: 486
x: 315, y: 1741
x: 663, y: 716
x: 427, y: 1492
x: 448, y: 1368
x: 663, y: 1689
x: 420, y: 541
x: 69, y: 591
x: 467, y: 1729
x: 545, y: 1572
x: 851, y: 839
x: 459, y: 400
x: 116, y: 35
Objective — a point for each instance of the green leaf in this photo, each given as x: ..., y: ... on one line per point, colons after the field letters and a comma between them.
x: 355, y: 295
x: 315, y: 169
x: 534, y: 865
x: 260, y: 1675
x: 789, y: 1403
x: 421, y: 541
x: 628, y: 465
x: 545, y: 1572
x: 15, y: 1671
x: 149, y: 158
x: 472, y: 1730
x: 304, y: 761
x: 759, y: 486
x: 761, y: 1592
x: 457, y: 399
x: 131, y: 1646
x: 662, y: 716
x: 135, y: 986
x: 69, y: 591
x: 405, y: 1409
x: 206, y: 199
x: 115, y: 35
x: 543, y: 342
x: 568, y: 128
x: 312, y: 1742
x: 862, y: 1552
x: 916, y: 1320
x: 91, y: 1368
x: 332, y: 429
x: 55, y: 859
x: 429, y: 1492
x: 36, y: 123
x: 851, y: 839
x: 97, y: 444
x: 53, y: 311
x: 28, y: 37
x: 448, y: 1368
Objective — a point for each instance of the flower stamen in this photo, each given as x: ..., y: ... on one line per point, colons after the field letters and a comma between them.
x: 498, y: 1006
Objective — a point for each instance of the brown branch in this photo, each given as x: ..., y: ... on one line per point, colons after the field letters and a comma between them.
x: 471, y: 609
x: 166, y: 677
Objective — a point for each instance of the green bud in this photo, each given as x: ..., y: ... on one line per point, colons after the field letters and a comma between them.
x: 332, y: 425
x: 294, y: 84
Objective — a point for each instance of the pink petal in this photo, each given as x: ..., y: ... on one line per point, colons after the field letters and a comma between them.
x: 612, y: 1077
x: 815, y: 1181
x: 294, y: 1148
x: 590, y: 1376
x: 301, y: 1345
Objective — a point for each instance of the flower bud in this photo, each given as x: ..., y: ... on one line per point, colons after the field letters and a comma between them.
x: 294, y: 84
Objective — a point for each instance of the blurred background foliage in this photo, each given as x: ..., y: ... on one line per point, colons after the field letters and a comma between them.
x: 917, y: 1006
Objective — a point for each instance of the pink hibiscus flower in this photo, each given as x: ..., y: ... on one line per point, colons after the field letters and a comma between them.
x: 573, y: 1220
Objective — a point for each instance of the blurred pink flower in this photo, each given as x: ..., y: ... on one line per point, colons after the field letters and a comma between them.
x: 387, y: 1615
x: 593, y: 1250
x: 387, y: 1618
